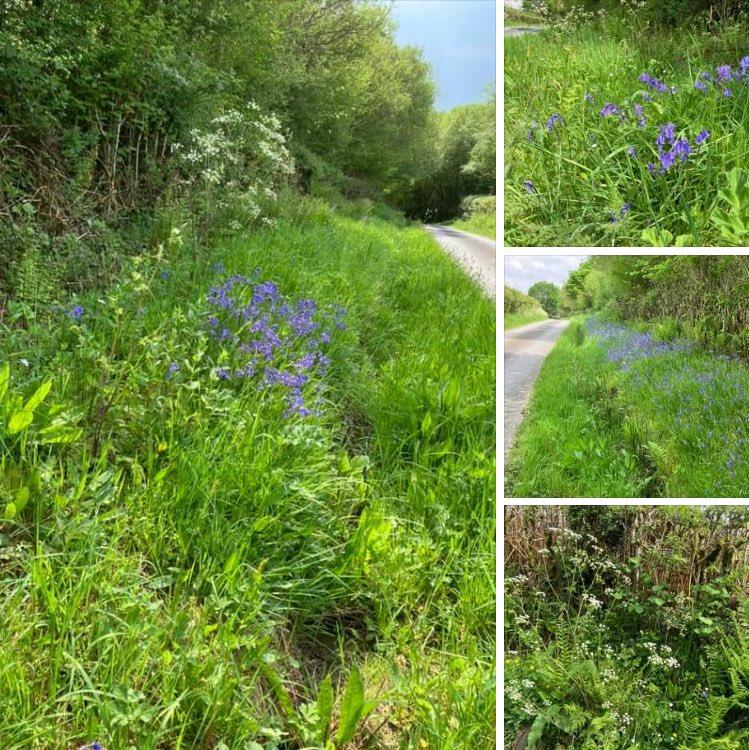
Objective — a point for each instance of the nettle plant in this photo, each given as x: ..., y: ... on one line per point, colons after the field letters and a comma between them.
x: 237, y: 165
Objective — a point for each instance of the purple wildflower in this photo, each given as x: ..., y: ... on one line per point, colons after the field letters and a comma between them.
x: 76, y: 313
x: 166, y: 274
x: 624, y: 210
x: 651, y: 167
x: 172, y: 370
x: 529, y: 186
x: 223, y: 373
x: 553, y: 120
x: 667, y: 134
x: 701, y: 86
x: 640, y: 115
x: 667, y: 160
x: 724, y: 72
x: 682, y: 148
x: 744, y: 64
x: 631, y: 151
x: 589, y: 98
x: 705, y: 76
x: 701, y: 137
x: 611, y: 109
x: 613, y: 218
x: 727, y: 93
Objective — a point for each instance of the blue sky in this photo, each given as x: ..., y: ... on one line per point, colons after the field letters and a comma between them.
x: 459, y: 39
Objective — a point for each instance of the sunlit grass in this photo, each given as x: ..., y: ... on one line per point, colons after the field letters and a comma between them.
x: 196, y: 563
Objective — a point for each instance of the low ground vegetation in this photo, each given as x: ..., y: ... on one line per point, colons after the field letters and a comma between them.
x: 625, y: 627
x: 619, y: 133
x: 240, y: 487
x: 478, y: 215
x: 520, y: 309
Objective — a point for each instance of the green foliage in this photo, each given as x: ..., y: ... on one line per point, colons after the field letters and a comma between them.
x: 605, y: 648
x: 231, y: 555
x: 547, y: 295
x: 593, y: 179
x: 90, y: 138
x: 734, y: 226
x: 463, y: 163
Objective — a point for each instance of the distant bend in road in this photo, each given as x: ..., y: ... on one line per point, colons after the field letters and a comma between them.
x: 477, y: 255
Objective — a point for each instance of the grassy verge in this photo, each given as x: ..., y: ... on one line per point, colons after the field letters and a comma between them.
x: 631, y: 412
x: 515, y: 320
x: 638, y: 157
x: 185, y: 554
x: 483, y: 224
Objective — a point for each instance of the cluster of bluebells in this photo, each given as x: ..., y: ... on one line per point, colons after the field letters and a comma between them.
x: 625, y: 346
x: 678, y: 150
x: 702, y: 401
x: 655, y: 85
x: 723, y: 78
x: 269, y: 340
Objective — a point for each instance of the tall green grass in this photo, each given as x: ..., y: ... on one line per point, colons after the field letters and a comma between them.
x: 190, y: 565
x: 586, y: 182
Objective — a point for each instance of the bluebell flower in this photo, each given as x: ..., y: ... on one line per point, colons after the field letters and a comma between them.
x: 701, y: 137
x: 611, y: 109
x: 667, y: 134
x: 667, y: 159
x: 76, y: 313
x: 701, y: 86
x: 682, y: 148
x: 529, y: 186
x: 553, y: 120
x: 172, y: 370
x: 724, y: 72
x: 165, y: 274
x: 624, y: 210
x: 631, y: 152
x: 727, y: 93
x: 589, y: 98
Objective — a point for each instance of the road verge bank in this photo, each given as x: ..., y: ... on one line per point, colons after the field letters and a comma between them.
x: 631, y: 411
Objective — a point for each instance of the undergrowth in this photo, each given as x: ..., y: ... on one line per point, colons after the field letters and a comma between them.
x: 247, y: 497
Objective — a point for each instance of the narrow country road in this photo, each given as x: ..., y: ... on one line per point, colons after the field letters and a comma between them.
x: 477, y: 255
x: 525, y: 350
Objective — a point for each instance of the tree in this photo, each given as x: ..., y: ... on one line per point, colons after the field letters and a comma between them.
x: 548, y: 296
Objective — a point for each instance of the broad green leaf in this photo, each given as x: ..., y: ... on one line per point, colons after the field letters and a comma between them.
x: 10, y: 511
x: 19, y: 420
x: 351, y: 707
x: 38, y: 396
x: 537, y: 731
x: 60, y: 434
x: 325, y: 707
